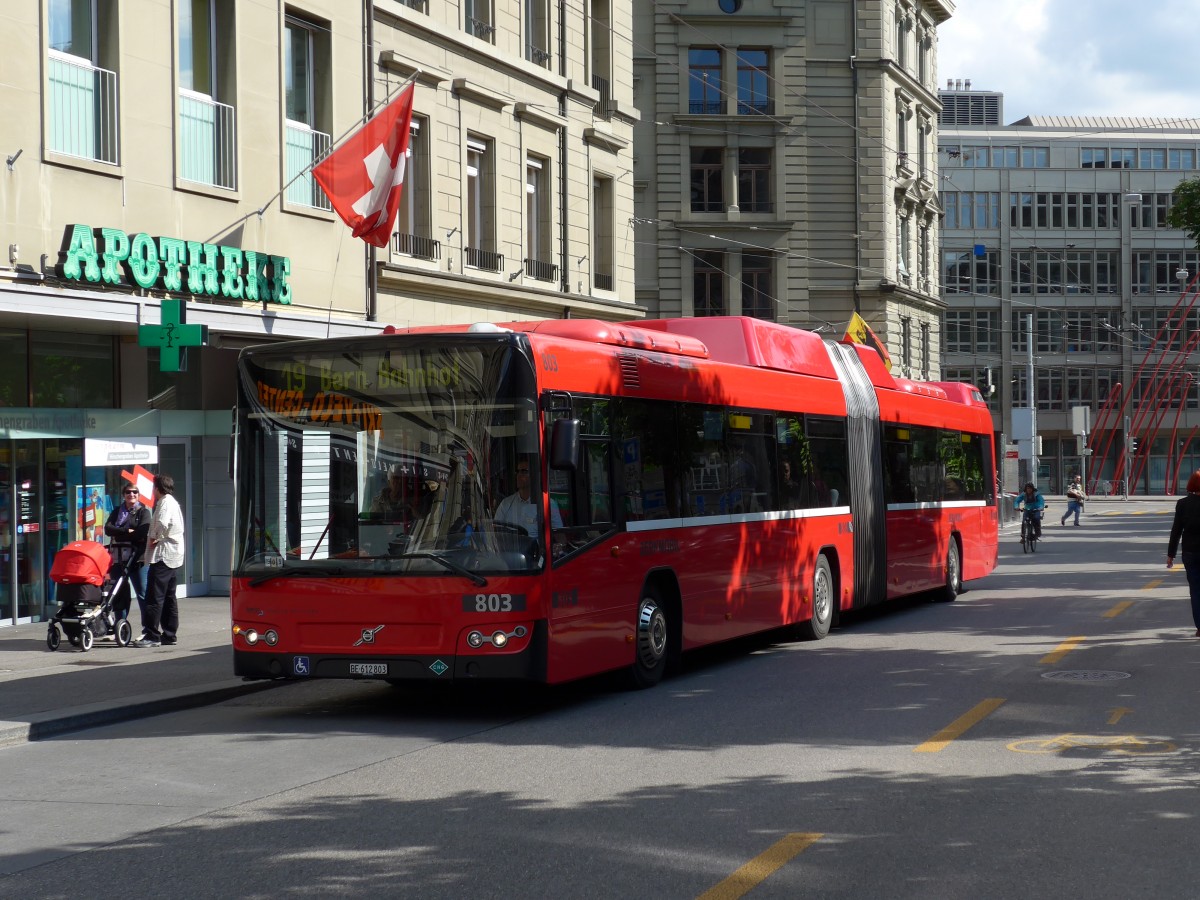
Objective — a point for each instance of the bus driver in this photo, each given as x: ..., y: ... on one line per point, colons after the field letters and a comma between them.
x: 519, y: 509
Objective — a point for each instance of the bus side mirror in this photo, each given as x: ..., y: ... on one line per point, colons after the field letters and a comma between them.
x: 564, y: 444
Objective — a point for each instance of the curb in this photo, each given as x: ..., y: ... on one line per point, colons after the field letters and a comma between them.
x: 52, y: 724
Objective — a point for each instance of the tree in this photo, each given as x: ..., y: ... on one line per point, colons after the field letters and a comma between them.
x: 1184, y: 213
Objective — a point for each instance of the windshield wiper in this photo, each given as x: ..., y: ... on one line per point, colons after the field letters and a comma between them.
x: 297, y: 572
x: 454, y: 567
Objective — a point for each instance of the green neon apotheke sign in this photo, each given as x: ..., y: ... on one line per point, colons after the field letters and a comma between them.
x: 110, y: 256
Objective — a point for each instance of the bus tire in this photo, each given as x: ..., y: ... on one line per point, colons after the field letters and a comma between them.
x: 652, y: 643
x: 822, y: 603
x: 953, y: 587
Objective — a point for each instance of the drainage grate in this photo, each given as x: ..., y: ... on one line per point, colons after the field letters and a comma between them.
x: 1085, y: 675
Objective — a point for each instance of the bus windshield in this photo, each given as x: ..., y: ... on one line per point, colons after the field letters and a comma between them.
x: 390, y: 455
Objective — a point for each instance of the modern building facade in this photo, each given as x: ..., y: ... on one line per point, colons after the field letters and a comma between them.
x: 786, y: 165
x: 159, y: 151
x: 1063, y: 219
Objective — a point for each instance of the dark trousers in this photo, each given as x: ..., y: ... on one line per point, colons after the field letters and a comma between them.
x: 1191, y: 565
x: 160, y: 612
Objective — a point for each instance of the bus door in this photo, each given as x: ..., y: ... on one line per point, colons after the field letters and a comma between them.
x: 593, y: 583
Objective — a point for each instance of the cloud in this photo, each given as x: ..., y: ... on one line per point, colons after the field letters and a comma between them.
x: 1060, y: 57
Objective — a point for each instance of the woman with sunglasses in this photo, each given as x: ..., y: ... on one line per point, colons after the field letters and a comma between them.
x: 128, y: 527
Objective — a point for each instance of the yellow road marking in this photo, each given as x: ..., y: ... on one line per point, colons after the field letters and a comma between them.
x: 761, y: 867
x: 1061, y: 650
x: 1118, y: 609
x: 1151, y: 585
x: 1115, y: 715
x: 1127, y: 744
x: 959, y: 726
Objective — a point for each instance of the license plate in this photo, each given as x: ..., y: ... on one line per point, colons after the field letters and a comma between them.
x: 368, y: 668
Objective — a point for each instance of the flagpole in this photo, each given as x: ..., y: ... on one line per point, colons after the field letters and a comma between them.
x: 333, y: 146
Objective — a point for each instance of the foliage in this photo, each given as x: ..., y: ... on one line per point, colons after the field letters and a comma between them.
x: 1184, y: 213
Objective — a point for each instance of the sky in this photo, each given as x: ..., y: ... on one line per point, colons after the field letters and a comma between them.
x: 1076, y: 57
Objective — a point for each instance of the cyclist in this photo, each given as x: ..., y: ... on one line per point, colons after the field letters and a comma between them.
x: 1034, y: 504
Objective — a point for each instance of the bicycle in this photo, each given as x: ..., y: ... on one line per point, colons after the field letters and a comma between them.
x: 1030, y: 530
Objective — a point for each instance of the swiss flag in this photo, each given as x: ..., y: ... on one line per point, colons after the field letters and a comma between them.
x: 363, y: 176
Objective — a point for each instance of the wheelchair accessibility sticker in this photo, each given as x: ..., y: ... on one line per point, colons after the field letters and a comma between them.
x: 300, y: 665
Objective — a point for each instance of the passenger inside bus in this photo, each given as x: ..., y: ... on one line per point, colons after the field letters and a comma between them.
x: 394, y: 504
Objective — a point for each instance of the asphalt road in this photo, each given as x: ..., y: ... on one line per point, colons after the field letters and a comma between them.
x: 1040, y: 736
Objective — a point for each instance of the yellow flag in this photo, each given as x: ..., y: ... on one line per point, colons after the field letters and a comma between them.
x: 859, y: 332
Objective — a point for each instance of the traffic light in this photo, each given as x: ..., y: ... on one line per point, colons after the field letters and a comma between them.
x: 1132, y: 445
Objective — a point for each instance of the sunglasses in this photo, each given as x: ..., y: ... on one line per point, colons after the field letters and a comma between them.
x: 131, y: 493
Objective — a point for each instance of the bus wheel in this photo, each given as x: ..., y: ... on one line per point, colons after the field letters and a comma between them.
x: 822, y: 603
x: 653, y: 633
x: 953, y: 585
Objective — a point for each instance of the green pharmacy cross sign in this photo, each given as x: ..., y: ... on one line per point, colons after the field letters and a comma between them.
x: 172, y: 337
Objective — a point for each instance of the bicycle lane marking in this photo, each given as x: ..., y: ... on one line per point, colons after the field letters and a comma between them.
x: 757, y: 870
x: 960, y: 726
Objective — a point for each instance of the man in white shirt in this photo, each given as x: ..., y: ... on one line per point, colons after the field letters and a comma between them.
x: 164, y: 556
x: 519, y: 508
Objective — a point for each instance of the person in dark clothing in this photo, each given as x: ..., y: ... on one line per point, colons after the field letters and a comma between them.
x: 1187, y: 527
x: 127, y: 528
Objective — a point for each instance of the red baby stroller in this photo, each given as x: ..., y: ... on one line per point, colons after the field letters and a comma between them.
x: 93, y: 594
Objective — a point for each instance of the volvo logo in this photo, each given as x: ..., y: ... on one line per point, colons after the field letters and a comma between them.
x: 368, y: 636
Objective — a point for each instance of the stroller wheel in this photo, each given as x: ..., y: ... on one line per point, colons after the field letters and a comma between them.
x: 53, y: 638
x: 85, y: 639
x: 124, y: 632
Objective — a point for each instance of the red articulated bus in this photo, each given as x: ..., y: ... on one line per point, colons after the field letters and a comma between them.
x: 550, y: 500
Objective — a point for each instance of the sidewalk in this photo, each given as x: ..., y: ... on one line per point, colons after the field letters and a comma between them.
x: 44, y: 693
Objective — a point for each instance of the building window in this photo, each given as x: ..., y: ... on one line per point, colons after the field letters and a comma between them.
x: 902, y: 25
x: 704, y: 81
x: 754, y: 179
x: 1035, y: 157
x: 481, y: 207
x: 306, y: 59
x: 413, y: 229
x: 72, y: 369
x: 603, y: 233
x: 478, y: 20
x: 758, y: 295
x: 925, y: 350
x: 708, y: 283
x: 754, y: 85
x: 537, y: 32
x: 923, y: 260
x: 903, y: 236
x: 601, y: 58
x: 906, y: 354
x: 707, y: 170
x: 83, y: 113
x: 538, y: 228
x: 207, y: 126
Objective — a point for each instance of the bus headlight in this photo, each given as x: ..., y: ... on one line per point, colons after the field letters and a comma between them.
x: 475, y: 640
x: 271, y: 637
x: 499, y: 639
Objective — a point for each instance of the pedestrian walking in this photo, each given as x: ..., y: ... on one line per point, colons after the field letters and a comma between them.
x: 1075, y: 498
x: 164, y: 556
x: 1186, y: 530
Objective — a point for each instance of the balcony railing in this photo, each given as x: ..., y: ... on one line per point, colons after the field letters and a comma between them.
x: 415, y: 245
x: 604, y: 107
x: 485, y: 31
x: 537, y: 55
x: 207, y: 141
x: 304, y: 146
x: 418, y: 5
x: 542, y: 271
x: 603, y: 282
x: 83, y: 110
x: 488, y: 260
x: 755, y: 108
x: 706, y: 107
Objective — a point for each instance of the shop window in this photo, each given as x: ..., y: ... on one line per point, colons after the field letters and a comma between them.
x: 72, y: 370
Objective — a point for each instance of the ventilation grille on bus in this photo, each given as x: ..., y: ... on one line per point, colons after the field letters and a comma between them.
x: 629, y: 372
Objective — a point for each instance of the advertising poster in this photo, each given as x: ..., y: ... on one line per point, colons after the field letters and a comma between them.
x: 90, y: 501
